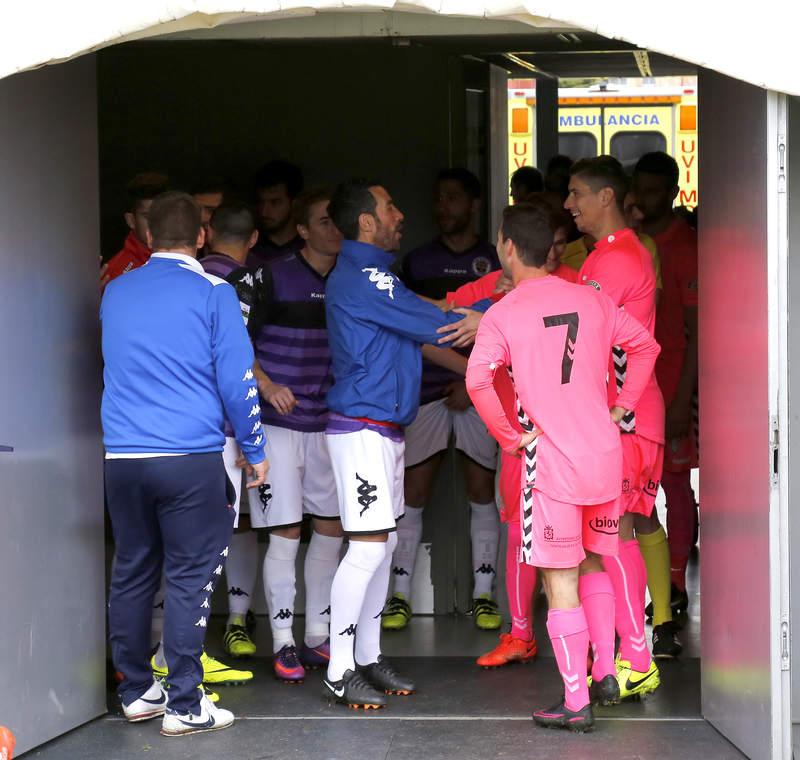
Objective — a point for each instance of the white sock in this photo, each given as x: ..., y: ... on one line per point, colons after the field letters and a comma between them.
x: 279, y: 587
x: 349, y: 588
x: 157, y: 622
x: 485, y: 533
x: 409, y: 535
x: 240, y: 572
x: 322, y: 559
x: 368, y: 636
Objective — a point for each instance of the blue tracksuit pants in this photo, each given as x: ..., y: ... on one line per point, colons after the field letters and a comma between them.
x: 175, y: 513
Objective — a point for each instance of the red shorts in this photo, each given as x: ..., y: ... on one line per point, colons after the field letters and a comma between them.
x: 642, y: 463
x: 563, y: 533
x: 510, y: 486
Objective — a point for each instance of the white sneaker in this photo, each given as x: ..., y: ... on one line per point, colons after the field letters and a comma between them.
x: 150, y: 705
x: 211, y: 718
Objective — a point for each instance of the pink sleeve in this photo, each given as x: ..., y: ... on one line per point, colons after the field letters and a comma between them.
x: 489, y: 354
x: 472, y: 292
x: 641, y: 349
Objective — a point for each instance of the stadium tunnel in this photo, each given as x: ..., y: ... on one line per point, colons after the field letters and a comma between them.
x: 399, y: 94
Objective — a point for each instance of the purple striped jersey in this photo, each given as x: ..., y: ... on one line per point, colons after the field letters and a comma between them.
x: 244, y: 282
x: 291, y: 341
x: 434, y: 270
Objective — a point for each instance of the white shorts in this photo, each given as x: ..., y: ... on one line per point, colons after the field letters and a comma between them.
x: 369, y: 469
x: 300, y: 480
x: 430, y: 433
x: 230, y: 453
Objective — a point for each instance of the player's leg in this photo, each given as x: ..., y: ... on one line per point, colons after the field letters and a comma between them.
x: 479, y: 457
x: 600, y: 539
x: 520, y: 644
x: 681, y: 514
x: 240, y: 569
x: 366, y: 488
x: 557, y: 549
x: 426, y: 439
x: 324, y: 549
x: 655, y: 551
x: 192, y: 493
x: 135, y: 578
x: 277, y: 506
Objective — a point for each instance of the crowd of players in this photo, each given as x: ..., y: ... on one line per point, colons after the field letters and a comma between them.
x: 355, y: 434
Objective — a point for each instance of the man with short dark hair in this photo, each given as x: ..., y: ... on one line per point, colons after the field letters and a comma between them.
x: 140, y: 193
x: 173, y: 373
x: 375, y: 328
x: 455, y: 257
x: 524, y: 181
x: 655, y: 182
x: 294, y: 376
x: 621, y: 267
x: 209, y: 192
x: 277, y: 184
x: 558, y: 336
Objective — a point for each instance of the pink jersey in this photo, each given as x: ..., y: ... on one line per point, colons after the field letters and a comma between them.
x: 622, y: 268
x: 557, y: 337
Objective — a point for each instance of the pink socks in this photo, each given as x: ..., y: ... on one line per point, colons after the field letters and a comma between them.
x: 597, y: 597
x: 569, y: 635
x: 629, y: 579
x: 520, y: 583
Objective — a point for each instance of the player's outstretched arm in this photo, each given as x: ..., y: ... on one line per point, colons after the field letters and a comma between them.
x: 490, y: 354
x: 641, y: 349
x: 233, y: 363
x: 394, y: 307
x: 447, y: 358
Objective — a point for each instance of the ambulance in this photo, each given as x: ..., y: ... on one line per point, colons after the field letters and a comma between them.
x: 624, y: 121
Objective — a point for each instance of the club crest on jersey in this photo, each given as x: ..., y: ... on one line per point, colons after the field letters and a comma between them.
x: 626, y: 486
x: 481, y: 266
x: 594, y: 283
x: 549, y: 534
x: 382, y: 280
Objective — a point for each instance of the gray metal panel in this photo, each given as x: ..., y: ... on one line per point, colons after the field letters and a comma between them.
x: 793, y: 192
x: 52, y: 626
x: 735, y: 413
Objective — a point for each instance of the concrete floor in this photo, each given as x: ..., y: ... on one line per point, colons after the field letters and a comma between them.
x: 460, y: 711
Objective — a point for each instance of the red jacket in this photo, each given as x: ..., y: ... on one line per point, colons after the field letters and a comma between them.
x: 134, y: 253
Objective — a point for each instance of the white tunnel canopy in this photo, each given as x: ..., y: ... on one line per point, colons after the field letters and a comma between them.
x: 754, y: 43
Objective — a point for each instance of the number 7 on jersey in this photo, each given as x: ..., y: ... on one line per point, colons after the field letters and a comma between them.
x: 571, y: 320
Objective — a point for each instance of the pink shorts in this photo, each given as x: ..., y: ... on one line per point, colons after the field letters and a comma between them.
x: 563, y: 533
x: 642, y: 463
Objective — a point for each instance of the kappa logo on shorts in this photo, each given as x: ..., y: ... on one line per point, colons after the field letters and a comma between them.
x: 350, y: 630
x: 604, y: 525
x: 626, y: 486
x: 549, y: 534
x: 365, y: 494
x: 284, y: 614
x: 265, y: 496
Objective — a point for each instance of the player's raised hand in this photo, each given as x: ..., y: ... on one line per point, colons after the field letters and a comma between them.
x: 257, y: 474
x: 462, y: 333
